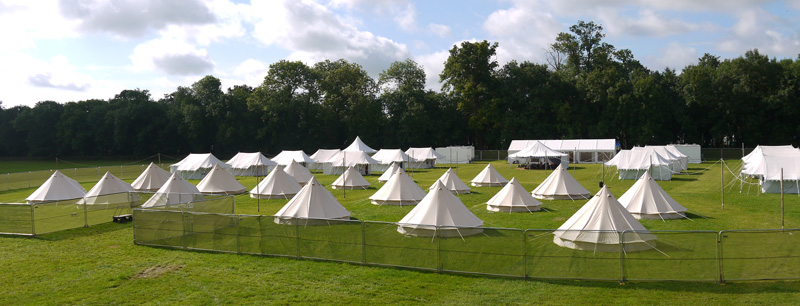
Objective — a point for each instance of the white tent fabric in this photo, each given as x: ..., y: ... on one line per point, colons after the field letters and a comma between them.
x: 451, y: 181
x: 195, y: 166
x: 386, y: 157
x: 220, y: 182
x: 489, y: 177
x: 175, y: 191
x: 389, y: 173
x: 313, y: 201
x: 683, y: 157
x: 359, y: 145
x: 277, y: 185
x: 56, y: 188
x: 321, y: 156
x: 513, y: 198
x: 350, y: 179
x: 250, y: 164
x: 537, y: 150
x: 286, y: 157
x: 151, y: 179
x: 359, y: 160
x: 677, y: 163
x: 399, y: 190
x: 456, y: 154
x: 754, y: 164
x: 111, y: 190
x: 440, y: 208
x: 560, y: 185
x: 632, y: 164
x: 423, y: 158
x: 599, y: 224
x: 771, y: 179
x: 582, y: 150
x: 298, y: 172
x: 647, y: 200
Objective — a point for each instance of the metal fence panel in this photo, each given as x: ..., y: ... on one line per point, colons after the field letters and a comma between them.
x: 760, y: 254
x: 546, y: 259
x: 331, y: 239
x: 492, y: 251
x: 15, y: 219
x: 684, y: 256
x: 58, y: 216
x: 206, y: 231
x: 384, y: 245
x: 158, y: 227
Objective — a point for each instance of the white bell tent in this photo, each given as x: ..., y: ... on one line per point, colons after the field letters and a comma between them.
x: 175, y: 191
x: 441, y: 214
x: 195, y: 166
x: 560, y: 185
x: 111, y: 190
x: 151, y: 179
x: 286, y: 157
x: 360, y: 146
x: 451, y: 181
x: 277, y: 185
x: 350, y: 179
x: 57, y: 188
x: 399, y: 190
x: 359, y: 160
x: 312, y: 202
x: 647, y: 200
x: 489, y: 177
x: 513, y: 198
x: 220, y: 182
x: 389, y: 172
x: 250, y: 164
x: 599, y: 224
x: 298, y: 172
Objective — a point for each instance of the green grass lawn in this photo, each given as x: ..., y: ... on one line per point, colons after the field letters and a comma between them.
x: 100, y: 265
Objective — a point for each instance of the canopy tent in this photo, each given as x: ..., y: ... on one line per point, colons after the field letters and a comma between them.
x: 387, y: 157
x: 560, y: 185
x: 313, y: 201
x: 676, y: 162
x: 580, y: 150
x: 441, y: 214
x: 357, y: 159
x: 451, y: 181
x: 389, y: 172
x: 359, y: 146
x: 151, y: 179
x: 57, y: 188
x: 513, y: 198
x: 599, y: 224
x: 771, y: 179
x: 539, y: 152
x: 683, y: 157
x: 647, y: 200
x: 250, y: 164
x: 298, y: 172
x: 195, y: 166
x: 489, y: 177
x: 754, y: 164
x: 286, y: 157
x: 399, y: 190
x: 350, y: 179
x: 631, y: 165
x: 111, y: 190
x: 423, y: 158
x: 277, y: 185
x: 220, y: 182
x: 175, y: 191
x: 321, y: 156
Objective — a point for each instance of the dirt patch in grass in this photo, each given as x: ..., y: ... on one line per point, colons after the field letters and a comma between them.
x: 157, y: 270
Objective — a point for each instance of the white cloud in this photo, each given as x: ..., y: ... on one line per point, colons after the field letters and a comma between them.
x: 433, y: 64
x: 25, y: 22
x: 172, y: 57
x: 758, y: 29
x: 251, y: 72
x: 674, y: 55
x: 439, y: 29
x: 407, y: 18
x: 522, y: 33
x: 313, y: 33
x: 647, y: 23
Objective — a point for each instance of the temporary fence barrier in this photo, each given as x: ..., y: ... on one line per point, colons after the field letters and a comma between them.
x: 33, y: 179
x: 703, y: 256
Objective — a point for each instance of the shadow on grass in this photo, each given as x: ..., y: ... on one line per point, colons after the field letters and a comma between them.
x: 691, y: 215
x: 683, y: 179
x: 680, y: 286
x: 84, y: 231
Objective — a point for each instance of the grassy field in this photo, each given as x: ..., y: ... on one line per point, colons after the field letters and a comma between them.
x: 100, y: 265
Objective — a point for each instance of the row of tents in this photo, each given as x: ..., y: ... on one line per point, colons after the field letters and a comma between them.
x: 774, y: 167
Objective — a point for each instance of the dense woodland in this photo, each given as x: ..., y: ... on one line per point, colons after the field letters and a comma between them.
x: 587, y: 89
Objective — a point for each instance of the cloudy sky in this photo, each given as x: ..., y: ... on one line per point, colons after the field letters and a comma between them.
x: 73, y: 50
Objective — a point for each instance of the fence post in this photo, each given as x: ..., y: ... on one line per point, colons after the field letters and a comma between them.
x: 297, y: 235
x: 121, y: 173
x: 85, y: 215
x: 621, y: 257
x: 525, y: 254
x: 363, y: 243
x: 438, y: 238
x: 719, y: 258
x: 33, y: 219
x: 238, y: 241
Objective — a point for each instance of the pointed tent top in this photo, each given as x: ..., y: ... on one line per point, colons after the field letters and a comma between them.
x: 109, y: 184
x: 151, y: 179
x: 359, y: 145
x: 451, y: 181
x: 176, y: 190
x: 441, y: 208
x: 602, y: 213
x: 350, y: 179
x: 313, y: 201
x: 286, y: 157
x: 277, y: 184
x: 513, y: 197
x: 489, y: 177
x: 647, y: 200
x: 560, y: 185
x: 393, y: 168
x: 300, y: 173
x: 57, y: 187
x: 219, y: 181
x: 399, y: 190
x: 538, y: 150
x: 195, y: 161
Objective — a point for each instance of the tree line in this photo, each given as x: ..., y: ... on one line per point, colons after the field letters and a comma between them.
x: 586, y: 89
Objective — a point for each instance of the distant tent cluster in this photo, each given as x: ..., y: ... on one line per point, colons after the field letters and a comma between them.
x: 660, y: 161
x: 774, y: 166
